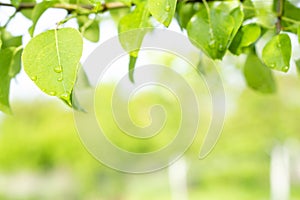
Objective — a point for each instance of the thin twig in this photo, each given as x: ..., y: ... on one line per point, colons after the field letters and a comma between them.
x: 71, y: 7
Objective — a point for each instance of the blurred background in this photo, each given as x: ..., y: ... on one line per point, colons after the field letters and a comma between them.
x: 42, y: 156
x: 257, y: 156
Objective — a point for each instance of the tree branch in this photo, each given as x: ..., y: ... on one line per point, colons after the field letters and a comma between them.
x: 71, y: 7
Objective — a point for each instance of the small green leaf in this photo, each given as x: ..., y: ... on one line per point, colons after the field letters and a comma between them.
x: 118, y: 14
x: 132, y: 29
x: 92, y: 32
x: 15, y: 65
x: 211, y: 31
x: 75, y: 103
x: 5, y: 62
x: 277, y: 52
x: 8, y: 40
x: 291, y: 11
x: 246, y: 36
x: 51, y: 60
x: 249, y: 9
x: 258, y: 76
x: 82, y: 82
x: 132, y: 62
x: 137, y: 23
x: 238, y: 17
x: 37, y: 12
x: 185, y: 12
x: 162, y: 10
x: 89, y: 28
x: 27, y: 12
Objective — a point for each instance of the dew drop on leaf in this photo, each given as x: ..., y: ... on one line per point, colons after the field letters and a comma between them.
x: 60, y: 79
x: 272, y: 65
x: 58, y: 69
x: 212, y: 44
x: 52, y: 93
x: 64, y: 96
x: 167, y: 8
x: 33, y: 78
x: 286, y: 68
x: 221, y: 47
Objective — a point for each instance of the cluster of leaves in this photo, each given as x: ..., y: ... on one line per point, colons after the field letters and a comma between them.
x: 52, y: 58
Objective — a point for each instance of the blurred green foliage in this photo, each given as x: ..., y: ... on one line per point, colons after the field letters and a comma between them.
x: 40, y: 139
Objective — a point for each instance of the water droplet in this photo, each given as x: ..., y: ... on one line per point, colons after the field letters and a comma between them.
x: 221, y: 47
x: 167, y: 8
x: 60, y: 79
x: 34, y: 78
x: 52, y: 93
x: 286, y: 68
x: 279, y: 45
x: 64, y: 96
x: 212, y: 44
x: 272, y: 65
x: 58, y: 69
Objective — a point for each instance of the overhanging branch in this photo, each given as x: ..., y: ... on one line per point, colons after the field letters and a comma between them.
x: 71, y: 7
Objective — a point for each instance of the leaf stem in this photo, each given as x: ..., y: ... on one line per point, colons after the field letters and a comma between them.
x: 10, y: 18
x: 279, y: 10
x: 290, y: 20
x: 66, y: 19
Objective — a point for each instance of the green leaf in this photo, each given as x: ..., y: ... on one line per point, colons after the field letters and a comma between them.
x: 277, y: 52
x: 37, y: 12
x: 291, y: 11
x: 8, y: 40
x: 249, y: 9
x: 89, y: 28
x: 15, y: 65
x: 185, y: 12
x: 117, y: 14
x: 136, y: 23
x: 162, y: 10
x: 27, y: 12
x: 5, y: 62
x: 82, y: 82
x: 51, y: 60
x: 132, y: 62
x: 258, y: 76
x: 246, y: 36
x: 10, y: 66
x: 132, y: 29
x: 211, y: 31
x: 238, y: 17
